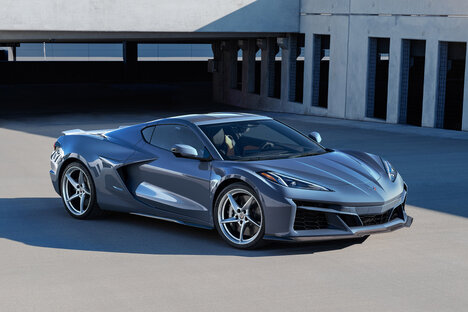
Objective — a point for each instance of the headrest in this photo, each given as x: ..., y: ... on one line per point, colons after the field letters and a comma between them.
x: 218, y: 138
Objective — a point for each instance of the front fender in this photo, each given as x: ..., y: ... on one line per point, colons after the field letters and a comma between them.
x: 277, y: 210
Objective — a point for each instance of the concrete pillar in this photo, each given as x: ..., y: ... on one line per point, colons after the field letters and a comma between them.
x: 288, y: 47
x: 267, y: 80
x: 431, y: 74
x: 217, y: 70
x: 229, y: 49
x: 12, y: 54
x: 394, y: 75
x: 130, y: 59
x: 249, y: 49
x: 465, y: 98
x: 308, y: 68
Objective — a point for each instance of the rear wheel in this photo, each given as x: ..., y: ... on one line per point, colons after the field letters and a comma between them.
x: 239, y: 216
x: 78, y: 192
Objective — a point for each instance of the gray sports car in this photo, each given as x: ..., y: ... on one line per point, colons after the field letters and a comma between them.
x: 249, y: 176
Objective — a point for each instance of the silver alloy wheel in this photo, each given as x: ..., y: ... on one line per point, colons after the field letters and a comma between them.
x: 76, y: 191
x: 240, y: 216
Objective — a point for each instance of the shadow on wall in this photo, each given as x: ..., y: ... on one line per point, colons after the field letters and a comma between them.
x: 260, y: 12
x: 43, y: 222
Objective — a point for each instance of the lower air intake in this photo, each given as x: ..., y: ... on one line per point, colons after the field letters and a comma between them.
x: 309, y: 220
x: 375, y: 219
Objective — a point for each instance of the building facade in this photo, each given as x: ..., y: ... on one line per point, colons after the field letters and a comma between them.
x: 387, y: 61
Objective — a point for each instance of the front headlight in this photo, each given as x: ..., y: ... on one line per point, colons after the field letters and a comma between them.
x: 288, y: 181
x: 392, y: 173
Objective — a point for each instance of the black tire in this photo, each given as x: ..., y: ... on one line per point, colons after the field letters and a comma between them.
x: 256, y: 239
x: 92, y: 208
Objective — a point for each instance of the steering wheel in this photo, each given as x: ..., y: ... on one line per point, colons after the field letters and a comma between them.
x: 267, y: 146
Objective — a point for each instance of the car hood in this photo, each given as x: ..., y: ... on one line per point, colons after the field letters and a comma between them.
x: 333, y: 169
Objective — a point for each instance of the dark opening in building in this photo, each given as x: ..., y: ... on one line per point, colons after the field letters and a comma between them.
x: 452, y: 59
x: 321, y: 60
x: 377, y: 77
x: 299, y: 69
x: 94, y: 76
x: 412, y: 81
x: 240, y: 58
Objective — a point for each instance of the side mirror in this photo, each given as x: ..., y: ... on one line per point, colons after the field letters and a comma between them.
x: 315, y: 136
x: 182, y: 150
x: 187, y: 151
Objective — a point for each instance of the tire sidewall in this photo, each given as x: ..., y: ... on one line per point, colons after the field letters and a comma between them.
x: 93, y: 205
x: 259, y: 239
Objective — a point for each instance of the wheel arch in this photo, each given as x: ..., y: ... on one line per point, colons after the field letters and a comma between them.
x: 228, y: 181
x: 64, y: 165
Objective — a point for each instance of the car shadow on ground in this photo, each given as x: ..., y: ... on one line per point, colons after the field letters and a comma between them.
x: 43, y: 222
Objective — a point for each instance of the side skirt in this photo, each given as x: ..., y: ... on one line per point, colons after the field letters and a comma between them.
x: 172, y: 220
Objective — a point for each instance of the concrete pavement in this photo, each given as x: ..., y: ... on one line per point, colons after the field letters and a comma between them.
x: 51, y: 262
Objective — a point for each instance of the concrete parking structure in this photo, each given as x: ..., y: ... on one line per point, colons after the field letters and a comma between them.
x: 393, y: 62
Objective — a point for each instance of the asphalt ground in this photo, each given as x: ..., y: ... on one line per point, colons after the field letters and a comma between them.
x: 52, y: 262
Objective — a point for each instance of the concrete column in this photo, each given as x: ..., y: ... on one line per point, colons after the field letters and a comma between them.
x: 288, y: 47
x: 465, y: 98
x: 249, y: 49
x: 267, y: 80
x: 430, y: 83
x: 130, y: 59
x: 12, y: 54
x: 308, y: 68
x: 394, y: 75
x: 217, y: 69
x: 230, y: 64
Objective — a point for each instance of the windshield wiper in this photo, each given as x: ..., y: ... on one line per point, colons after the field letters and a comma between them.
x: 305, y: 155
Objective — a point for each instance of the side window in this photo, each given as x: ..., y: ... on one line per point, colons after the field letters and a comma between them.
x: 166, y: 136
x: 147, y: 133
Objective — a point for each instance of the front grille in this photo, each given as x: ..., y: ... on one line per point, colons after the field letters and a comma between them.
x: 309, y: 220
x: 375, y: 219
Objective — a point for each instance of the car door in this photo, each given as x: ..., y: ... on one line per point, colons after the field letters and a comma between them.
x: 175, y: 184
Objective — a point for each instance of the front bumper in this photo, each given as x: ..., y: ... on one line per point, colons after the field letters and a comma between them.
x: 330, y: 234
x: 314, y: 222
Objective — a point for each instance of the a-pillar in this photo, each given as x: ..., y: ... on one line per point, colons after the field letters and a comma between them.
x: 288, y: 47
x: 267, y: 77
x: 465, y: 98
x: 249, y: 49
x: 130, y: 59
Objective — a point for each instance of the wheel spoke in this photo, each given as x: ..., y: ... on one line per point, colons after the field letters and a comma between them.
x: 85, y: 189
x: 233, y: 202
x: 80, y: 178
x: 229, y: 220
x: 252, y: 221
x: 82, y: 199
x: 241, y: 234
x: 72, y: 181
x: 247, y: 204
x: 72, y: 197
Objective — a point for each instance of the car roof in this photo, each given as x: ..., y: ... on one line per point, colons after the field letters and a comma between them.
x: 214, y: 118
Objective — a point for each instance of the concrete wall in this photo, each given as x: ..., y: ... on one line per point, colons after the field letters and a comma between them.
x: 150, y: 15
x: 351, y: 23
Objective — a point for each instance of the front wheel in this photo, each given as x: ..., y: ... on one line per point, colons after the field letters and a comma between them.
x: 239, y: 216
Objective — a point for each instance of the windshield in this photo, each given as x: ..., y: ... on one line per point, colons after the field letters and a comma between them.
x: 259, y: 139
